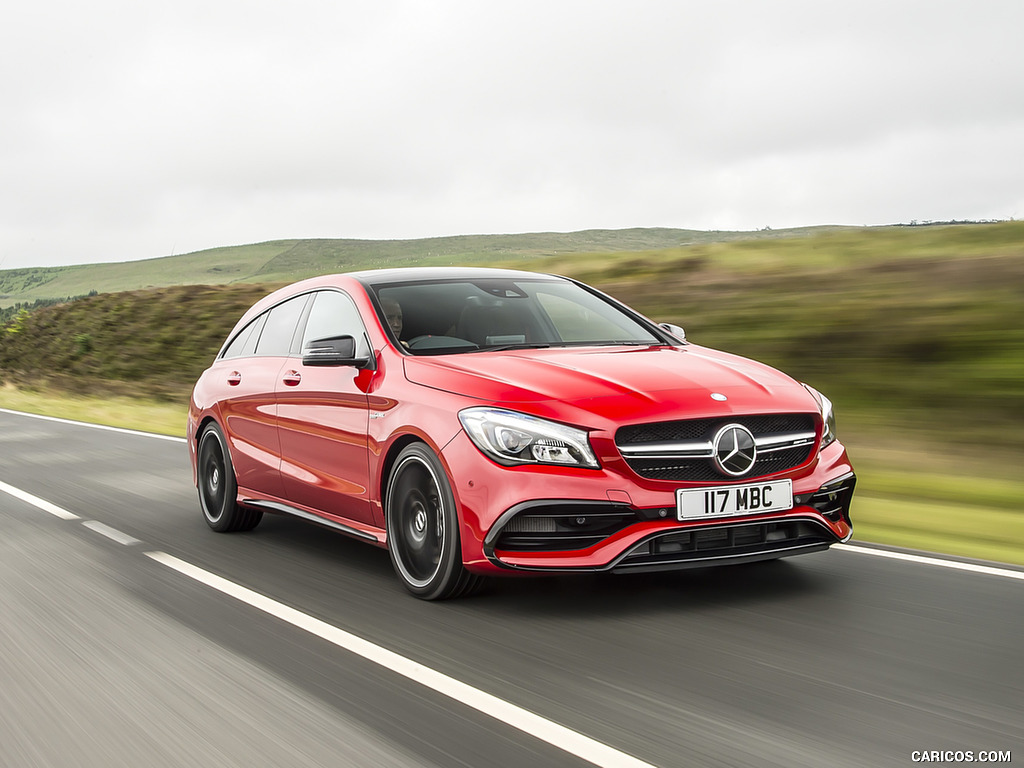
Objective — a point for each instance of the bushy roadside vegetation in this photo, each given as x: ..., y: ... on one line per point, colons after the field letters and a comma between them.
x: 152, y: 343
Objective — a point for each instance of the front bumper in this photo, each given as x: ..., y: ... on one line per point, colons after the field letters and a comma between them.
x: 549, y: 519
x: 678, y: 546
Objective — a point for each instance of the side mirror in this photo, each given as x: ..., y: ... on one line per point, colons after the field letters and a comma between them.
x: 675, y: 330
x: 334, y: 351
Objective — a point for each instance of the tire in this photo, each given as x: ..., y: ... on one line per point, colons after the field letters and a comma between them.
x: 423, y: 528
x: 218, y: 489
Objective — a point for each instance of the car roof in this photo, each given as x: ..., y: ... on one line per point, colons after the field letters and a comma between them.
x: 412, y: 274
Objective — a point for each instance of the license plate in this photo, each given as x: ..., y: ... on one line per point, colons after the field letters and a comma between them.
x: 732, y: 500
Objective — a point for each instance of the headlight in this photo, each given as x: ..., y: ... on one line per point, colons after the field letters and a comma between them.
x: 827, y: 415
x: 512, y: 438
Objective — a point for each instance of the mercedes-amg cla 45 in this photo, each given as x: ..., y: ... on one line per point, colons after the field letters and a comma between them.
x: 481, y: 422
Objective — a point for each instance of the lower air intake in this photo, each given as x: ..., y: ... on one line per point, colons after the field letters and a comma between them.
x: 743, y: 541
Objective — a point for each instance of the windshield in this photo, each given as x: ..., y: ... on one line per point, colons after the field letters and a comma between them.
x: 444, y: 317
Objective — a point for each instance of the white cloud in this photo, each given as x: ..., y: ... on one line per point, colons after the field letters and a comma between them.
x: 134, y: 130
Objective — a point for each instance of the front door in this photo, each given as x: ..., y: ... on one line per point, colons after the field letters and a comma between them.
x: 323, y: 418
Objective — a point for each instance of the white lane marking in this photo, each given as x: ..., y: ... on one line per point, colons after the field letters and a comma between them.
x: 121, y: 430
x: 35, y: 501
x: 925, y: 560
x: 111, y: 533
x: 534, y: 725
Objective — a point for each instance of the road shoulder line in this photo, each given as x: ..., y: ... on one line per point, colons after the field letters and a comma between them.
x: 989, y: 570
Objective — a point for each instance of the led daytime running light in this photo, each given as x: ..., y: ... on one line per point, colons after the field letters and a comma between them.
x: 512, y: 438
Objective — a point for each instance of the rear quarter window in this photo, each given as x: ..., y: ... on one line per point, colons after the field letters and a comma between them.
x: 244, y: 343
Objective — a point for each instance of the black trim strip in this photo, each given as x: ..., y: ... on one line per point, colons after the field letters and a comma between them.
x: 275, y: 506
x: 750, y: 557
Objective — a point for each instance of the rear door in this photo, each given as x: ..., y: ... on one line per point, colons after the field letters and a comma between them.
x: 247, y: 374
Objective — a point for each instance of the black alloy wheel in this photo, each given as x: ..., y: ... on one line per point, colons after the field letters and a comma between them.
x: 218, y: 489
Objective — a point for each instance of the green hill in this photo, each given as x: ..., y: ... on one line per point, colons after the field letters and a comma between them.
x: 289, y: 260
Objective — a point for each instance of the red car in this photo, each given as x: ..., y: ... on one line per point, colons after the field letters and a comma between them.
x: 482, y: 422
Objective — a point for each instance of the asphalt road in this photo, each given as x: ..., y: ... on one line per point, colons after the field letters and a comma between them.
x: 109, y: 657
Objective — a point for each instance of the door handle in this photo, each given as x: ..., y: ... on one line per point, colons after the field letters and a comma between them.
x: 234, y: 378
x: 292, y: 378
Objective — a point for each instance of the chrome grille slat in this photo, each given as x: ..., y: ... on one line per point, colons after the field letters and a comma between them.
x: 660, y: 450
x: 675, y: 451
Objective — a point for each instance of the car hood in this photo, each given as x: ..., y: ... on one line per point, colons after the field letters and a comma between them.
x: 620, y: 383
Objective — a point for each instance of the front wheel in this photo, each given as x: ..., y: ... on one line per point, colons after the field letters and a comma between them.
x: 218, y: 489
x: 423, y: 527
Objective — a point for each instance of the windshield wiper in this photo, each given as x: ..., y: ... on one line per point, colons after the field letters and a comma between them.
x: 622, y: 343
x: 517, y: 345
x: 563, y: 344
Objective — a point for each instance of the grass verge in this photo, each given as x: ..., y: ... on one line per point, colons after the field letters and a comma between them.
x: 902, y: 506
x: 986, y: 533
x: 127, y: 412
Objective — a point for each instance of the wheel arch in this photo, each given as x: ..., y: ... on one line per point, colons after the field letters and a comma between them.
x: 202, y: 425
x: 387, y: 466
x: 193, y: 439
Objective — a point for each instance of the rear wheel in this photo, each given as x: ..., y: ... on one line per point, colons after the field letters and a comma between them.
x: 218, y: 489
x: 423, y: 527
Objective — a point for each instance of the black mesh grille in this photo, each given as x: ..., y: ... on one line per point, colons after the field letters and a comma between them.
x: 703, y: 470
x: 553, y: 528
x: 638, y: 434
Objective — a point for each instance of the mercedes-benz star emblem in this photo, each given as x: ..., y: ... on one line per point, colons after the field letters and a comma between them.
x: 735, y: 452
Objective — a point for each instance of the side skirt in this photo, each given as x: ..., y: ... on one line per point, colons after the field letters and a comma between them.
x: 276, y: 506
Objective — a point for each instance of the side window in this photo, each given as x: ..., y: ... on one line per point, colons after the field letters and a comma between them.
x: 244, y: 344
x: 333, y: 314
x: 279, y: 329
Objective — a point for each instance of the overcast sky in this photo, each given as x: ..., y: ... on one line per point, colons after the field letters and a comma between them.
x: 133, y: 129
